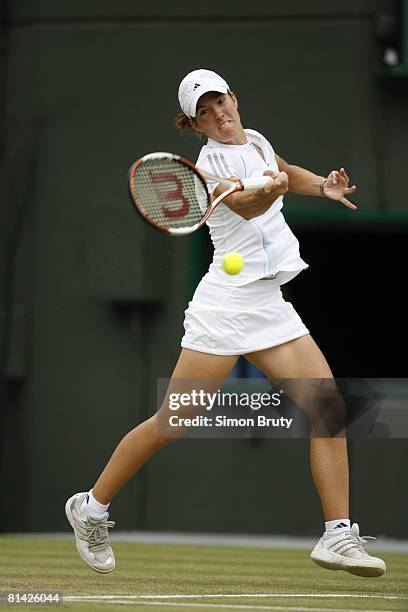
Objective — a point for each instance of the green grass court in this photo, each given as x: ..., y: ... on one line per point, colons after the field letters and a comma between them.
x: 204, y: 578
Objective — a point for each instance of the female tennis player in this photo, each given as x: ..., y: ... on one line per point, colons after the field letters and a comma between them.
x: 245, y: 314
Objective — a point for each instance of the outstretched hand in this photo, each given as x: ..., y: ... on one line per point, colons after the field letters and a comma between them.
x: 335, y: 187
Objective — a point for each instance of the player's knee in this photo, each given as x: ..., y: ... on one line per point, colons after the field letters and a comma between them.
x: 167, y: 432
x: 330, y: 415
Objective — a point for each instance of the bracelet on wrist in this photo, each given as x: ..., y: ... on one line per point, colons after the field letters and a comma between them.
x: 322, y: 184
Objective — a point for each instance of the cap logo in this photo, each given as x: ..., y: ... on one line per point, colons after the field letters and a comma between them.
x: 196, y: 85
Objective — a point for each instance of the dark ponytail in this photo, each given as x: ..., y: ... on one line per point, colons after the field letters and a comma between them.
x: 182, y: 123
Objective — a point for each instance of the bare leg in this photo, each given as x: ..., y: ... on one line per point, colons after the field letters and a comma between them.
x: 143, y: 441
x: 302, y: 358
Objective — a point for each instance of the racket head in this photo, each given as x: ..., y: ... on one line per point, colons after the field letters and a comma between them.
x: 169, y: 192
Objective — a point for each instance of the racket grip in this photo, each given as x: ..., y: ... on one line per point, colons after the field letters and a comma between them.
x: 255, y: 183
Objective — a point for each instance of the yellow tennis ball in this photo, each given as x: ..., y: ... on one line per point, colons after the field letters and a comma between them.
x: 232, y: 263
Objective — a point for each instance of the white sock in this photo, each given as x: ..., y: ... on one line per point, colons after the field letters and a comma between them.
x: 90, y: 505
x: 338, y: 526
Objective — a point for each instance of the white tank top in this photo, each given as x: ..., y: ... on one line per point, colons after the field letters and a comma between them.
x: 266, y: 243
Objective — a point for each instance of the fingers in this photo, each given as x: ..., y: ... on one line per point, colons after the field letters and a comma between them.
x: 268, y: 186
x: 337, y: 176
x: 348, y: 203
x: 333, y: 177
x: 279, y: 182
x: 282, y: 178
x: 272, y: 173
x: 349, y: 190
x: 344, y: 174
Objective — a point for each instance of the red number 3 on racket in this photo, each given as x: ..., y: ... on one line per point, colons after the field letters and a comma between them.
x: 172, y: 194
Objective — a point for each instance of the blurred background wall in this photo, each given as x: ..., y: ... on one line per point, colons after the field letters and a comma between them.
x: 92, y: 300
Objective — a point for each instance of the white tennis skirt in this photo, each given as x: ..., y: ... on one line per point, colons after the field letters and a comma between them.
x: 239, y: 320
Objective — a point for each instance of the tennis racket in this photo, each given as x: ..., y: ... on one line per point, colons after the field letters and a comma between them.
x: 173, y: 195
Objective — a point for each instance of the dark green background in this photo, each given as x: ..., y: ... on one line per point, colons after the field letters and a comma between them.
x: 92, y: 300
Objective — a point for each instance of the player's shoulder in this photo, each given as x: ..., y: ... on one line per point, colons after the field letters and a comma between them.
x: 254, y: 134
x: 211, y: 152
x: 204, y: 151
x: 257, y: 138
x: 220, y: 161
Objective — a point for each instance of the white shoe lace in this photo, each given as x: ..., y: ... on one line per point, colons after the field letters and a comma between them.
x: 345, y: 541
x: 95, y: 532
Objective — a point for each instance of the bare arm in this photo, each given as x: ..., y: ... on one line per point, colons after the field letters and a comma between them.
x: 302, y: 182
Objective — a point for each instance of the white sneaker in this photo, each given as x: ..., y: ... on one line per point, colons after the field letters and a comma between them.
x: 91, y: 535
x: 346, y: 551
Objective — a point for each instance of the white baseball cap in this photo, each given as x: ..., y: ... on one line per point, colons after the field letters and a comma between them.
x: 195, y: 85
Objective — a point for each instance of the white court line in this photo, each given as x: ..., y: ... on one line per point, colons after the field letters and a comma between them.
x: 233, y: 606
x: 234, y: 595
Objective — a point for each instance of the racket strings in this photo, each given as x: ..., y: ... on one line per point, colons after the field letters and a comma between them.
x: 169, y: 193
